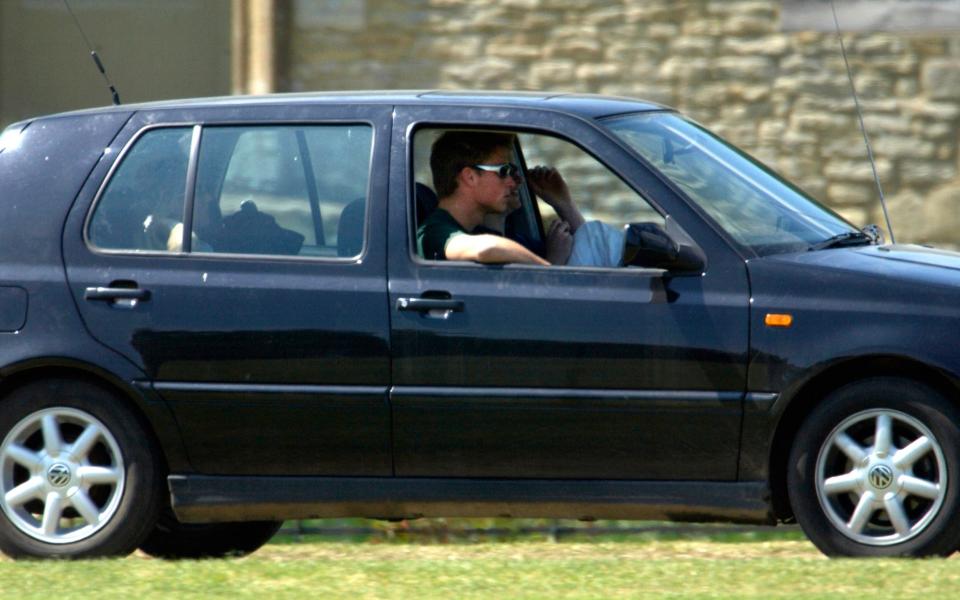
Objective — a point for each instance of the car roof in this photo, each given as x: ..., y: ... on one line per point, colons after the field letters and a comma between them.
x: 584, y: 105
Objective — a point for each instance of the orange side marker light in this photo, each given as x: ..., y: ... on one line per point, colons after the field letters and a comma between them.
x: 778, y: 320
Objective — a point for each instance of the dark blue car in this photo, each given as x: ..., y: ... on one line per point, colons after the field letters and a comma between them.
x: 213, y: 318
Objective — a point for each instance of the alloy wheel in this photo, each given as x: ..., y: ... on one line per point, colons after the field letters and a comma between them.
x: 62, y: 475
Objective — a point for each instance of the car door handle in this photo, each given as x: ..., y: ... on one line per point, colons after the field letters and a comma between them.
x: 428, y: 304
x: 115, y: 293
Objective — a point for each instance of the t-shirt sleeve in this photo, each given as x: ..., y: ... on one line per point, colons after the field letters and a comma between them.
x: 432, y: 238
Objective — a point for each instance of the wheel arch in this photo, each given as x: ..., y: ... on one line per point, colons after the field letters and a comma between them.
x: 802, y: 400
x: 155, y: 419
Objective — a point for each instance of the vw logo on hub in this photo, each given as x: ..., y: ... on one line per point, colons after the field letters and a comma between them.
x: 58, y: 475
x: 881, y: 476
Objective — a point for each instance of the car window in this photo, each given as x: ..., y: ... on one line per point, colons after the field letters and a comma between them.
x: 285, y: 190
x: 144, y: 198
x: 605, y: 201
x: 759, y: 209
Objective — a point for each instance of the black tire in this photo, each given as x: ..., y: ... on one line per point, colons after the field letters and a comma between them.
x: 854, y: 494
x: 172, y: 539
x: 81, y: 457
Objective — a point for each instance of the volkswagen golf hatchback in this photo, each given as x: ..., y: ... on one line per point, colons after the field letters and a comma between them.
x: 213, y: 317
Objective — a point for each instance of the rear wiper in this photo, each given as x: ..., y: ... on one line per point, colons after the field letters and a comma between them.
x: 847, y: 238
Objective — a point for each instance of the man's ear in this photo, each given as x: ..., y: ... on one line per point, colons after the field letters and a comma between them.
x: 467, y: 177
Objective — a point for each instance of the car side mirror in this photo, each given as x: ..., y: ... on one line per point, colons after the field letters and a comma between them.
x: 650, y: 245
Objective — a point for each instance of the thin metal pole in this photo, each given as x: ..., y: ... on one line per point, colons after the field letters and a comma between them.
x: 863, y: 128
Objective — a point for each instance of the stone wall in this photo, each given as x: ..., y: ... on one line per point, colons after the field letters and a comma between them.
x: 783, y: 97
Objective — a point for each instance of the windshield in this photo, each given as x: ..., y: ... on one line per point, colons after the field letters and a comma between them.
x: 754, y: 205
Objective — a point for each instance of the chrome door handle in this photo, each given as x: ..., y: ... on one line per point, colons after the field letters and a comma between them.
x: 428, y: 304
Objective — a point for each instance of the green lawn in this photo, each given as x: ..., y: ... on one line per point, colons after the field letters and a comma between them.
x: 720, y: 567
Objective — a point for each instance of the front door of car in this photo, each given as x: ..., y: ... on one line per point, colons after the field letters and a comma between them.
x: 517, y: 371
x: 265, y: 329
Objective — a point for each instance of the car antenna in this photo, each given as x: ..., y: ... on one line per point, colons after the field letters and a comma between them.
x: 93, y: 54
x: 863, y: 128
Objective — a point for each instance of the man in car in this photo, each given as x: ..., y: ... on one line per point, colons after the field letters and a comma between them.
x: 474, y: 179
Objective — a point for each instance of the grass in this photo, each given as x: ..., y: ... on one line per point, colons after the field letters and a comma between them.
x: 714, y: 566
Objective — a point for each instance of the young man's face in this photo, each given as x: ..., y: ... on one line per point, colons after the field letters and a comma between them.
x: 497, y: 195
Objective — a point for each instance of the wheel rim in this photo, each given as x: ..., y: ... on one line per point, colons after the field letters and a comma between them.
x: 881, y: 477
x: 62, y: 475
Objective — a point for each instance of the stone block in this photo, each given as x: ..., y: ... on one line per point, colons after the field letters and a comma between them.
x: 540, y: 21
x: 889, y: 65
x: 755, y: 8
x: 937, y: 131
x: 877, y: 43
x: 701, y: 26
x: 592, y: 72
x: 941, y: 79
x: 684, y: 68
x: 823, y: 122
x: 485, y: 73
x: 751, y: 94
x: 927, y: 172
x: 769, y: 45
x: 751, y: 68
x: 708, y: 95
x: 581, y: 49
x: 608, y: 15
x: 848, y: 194
x: 522, y: 4
x: 817, y: 84
x: 562, y: 5
x: 938, y: 111
x: 662, y: 31
x: 749, y: 25
x: 795, y: 140
x: 857, y: 170
x: 794, y: 63
x: 769, y: 133
x: 902, y: 146
x: 845, y: 145
x: 457, y: 48
x: 693, y: 46
x: 551, y: 72
x: 514, y: 46
x: 906, y: 86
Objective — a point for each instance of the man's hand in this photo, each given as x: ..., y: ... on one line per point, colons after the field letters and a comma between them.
x: 547, y: 183
x: 559, y: 243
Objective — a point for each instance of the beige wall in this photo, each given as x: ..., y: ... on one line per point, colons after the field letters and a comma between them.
x: 152, y: 50
x: 782, y: 96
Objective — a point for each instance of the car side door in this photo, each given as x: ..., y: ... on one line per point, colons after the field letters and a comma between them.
x: 562, y: 372
x: 261, y: 320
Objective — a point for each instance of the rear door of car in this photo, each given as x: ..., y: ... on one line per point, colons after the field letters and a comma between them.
x: 562, y: 373
x: 269, y: 340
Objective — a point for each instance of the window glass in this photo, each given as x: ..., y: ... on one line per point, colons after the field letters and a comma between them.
x: 598, y: 192
x: 603, y: 200
x: 144, y: 199
x: 749, y: 201
x: 286, y: 190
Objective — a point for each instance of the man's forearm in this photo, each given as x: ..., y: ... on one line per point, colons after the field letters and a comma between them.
x: 491, y: 249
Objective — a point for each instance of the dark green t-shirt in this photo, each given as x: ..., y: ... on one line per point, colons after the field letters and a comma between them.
x: 435, y: 232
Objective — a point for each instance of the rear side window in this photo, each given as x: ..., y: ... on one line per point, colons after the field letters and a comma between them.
x: 282, y: 190
x: 144, y: 198
x: 290, y: 190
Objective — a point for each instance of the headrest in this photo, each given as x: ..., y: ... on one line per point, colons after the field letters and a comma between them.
x: 426, y: 202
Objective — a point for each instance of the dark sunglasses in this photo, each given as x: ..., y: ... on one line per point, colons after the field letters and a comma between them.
x: 502, y: 170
